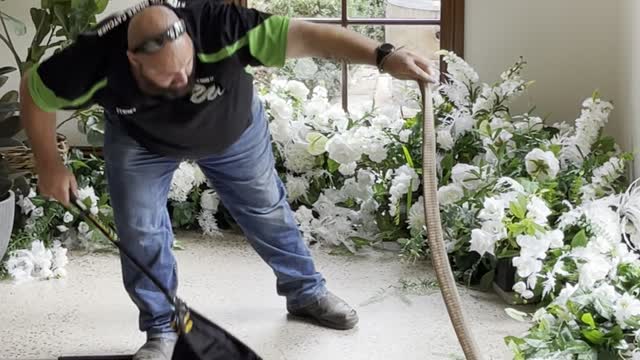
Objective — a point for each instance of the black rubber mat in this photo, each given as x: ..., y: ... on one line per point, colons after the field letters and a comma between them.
x: 101, y: 357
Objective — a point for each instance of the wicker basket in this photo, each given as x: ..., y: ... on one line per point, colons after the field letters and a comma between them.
x: 20, y: 158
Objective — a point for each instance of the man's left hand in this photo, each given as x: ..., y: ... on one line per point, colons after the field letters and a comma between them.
x: 407, y: 65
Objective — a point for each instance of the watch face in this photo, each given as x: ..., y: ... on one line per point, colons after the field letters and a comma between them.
x: 386, y: 47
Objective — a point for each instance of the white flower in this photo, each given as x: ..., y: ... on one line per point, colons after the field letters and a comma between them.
x: 296, y: 187
x: 538, y: 210
x: 38, y: 212
x: 416, y: 219
x: 496, y: 228
x: 209, y: 224
x: 281, y: 109
x: 305, y: 69
x: 449, y: 194
x: 304, y: 218
x: 520, y: 287
x: 297, y: 89
x: 482, y: 242
x: 404, y: 135
x: 83, y: 228
x: 444, y: 139
x: 182, y: 182
x: 405, y: 179
x: 466, y: 175
x: 604, y: 298
x: 67, y: 218
x: 341, y: 150
x: 199, y: 177
x: 26, y: 205
x: 555, y: 238
x: 463, y: 122
x: 297, y: 158
x: 348, y: 169
x: 62, y: 228
x: 59, y: 260
x: 317, y: 143
x: 565, y: 294
x: 626, y: 308
x: 532, y: 246
x: 542, y: 164
x: 527, y: 265
x: 594, y: 269
x: 493, y: 209
x: 209, y: 200
x: 88, y: 196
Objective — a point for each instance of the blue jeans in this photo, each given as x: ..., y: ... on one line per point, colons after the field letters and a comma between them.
x: 244, y: 177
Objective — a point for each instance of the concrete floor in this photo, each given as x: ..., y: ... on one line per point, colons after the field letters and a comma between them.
x: 89, y: 312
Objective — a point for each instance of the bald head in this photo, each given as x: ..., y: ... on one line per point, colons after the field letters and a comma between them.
x: 148, y: 23
x: 167, y: 69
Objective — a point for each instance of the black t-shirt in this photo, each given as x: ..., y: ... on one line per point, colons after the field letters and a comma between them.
x: 227, y: 39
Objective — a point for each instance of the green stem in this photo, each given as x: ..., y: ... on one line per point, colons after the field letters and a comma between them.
x: 73, y: 116
x: 13, y: 52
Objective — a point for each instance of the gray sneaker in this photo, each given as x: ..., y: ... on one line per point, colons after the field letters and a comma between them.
x: 329, y: 311
x: 156, y: 349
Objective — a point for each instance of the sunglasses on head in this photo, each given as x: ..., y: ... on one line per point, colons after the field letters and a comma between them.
x: 157, y: 42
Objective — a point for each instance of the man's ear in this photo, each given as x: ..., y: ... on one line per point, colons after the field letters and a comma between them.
x: 133, y: 58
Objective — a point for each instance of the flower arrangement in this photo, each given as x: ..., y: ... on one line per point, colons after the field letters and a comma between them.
x: 551, y: 200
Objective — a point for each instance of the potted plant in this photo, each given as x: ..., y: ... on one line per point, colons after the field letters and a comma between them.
x: 7, y: 207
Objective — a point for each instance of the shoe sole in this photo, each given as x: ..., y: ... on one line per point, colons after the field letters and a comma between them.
x: 347, y: 326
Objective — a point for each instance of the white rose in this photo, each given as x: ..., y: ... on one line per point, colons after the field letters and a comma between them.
x: 444, y: 139
x: 38, y: 212
x: 341, y: 150
x: 466, y: 175
x: 297, y: 89
x: 404, y: 135
x: 88, y: 193
x: 209, y: 200
x: 280, y: 109
x: 348, y: 169
x: 83, y: 228
x: 67, y: 217
x: 449, y: 194
x: 542, y: 164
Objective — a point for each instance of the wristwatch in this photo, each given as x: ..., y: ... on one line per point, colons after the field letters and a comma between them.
x: 382, y: 52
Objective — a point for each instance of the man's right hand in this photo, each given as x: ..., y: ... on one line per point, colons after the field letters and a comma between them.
x: 57, y: 182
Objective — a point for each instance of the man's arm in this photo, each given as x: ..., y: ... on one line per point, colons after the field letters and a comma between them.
x: 306, y: 39
x: 55, y: 180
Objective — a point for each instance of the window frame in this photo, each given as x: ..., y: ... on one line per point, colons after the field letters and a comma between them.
x: 451, y: 24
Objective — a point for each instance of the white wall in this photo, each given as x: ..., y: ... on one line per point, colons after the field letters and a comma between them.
x: 629, y: 77
x: 572, y: 48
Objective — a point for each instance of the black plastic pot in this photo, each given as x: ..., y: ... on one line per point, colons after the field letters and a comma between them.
x: 505, y: 276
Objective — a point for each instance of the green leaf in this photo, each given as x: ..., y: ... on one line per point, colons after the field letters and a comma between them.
x: 407, y: 156
x: 42, y: 23
x: 579, y: 240
x: 6, y: 70
x: 333, y: 165
x: 587, y: 318
x: 517, y: 209
x: 10, y: 126
x: 594, y: 336
x: 10, y: 97
x: 487, y: 280
x: 3, y: 80
x: 101, y: 6
x: 18, y: 27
